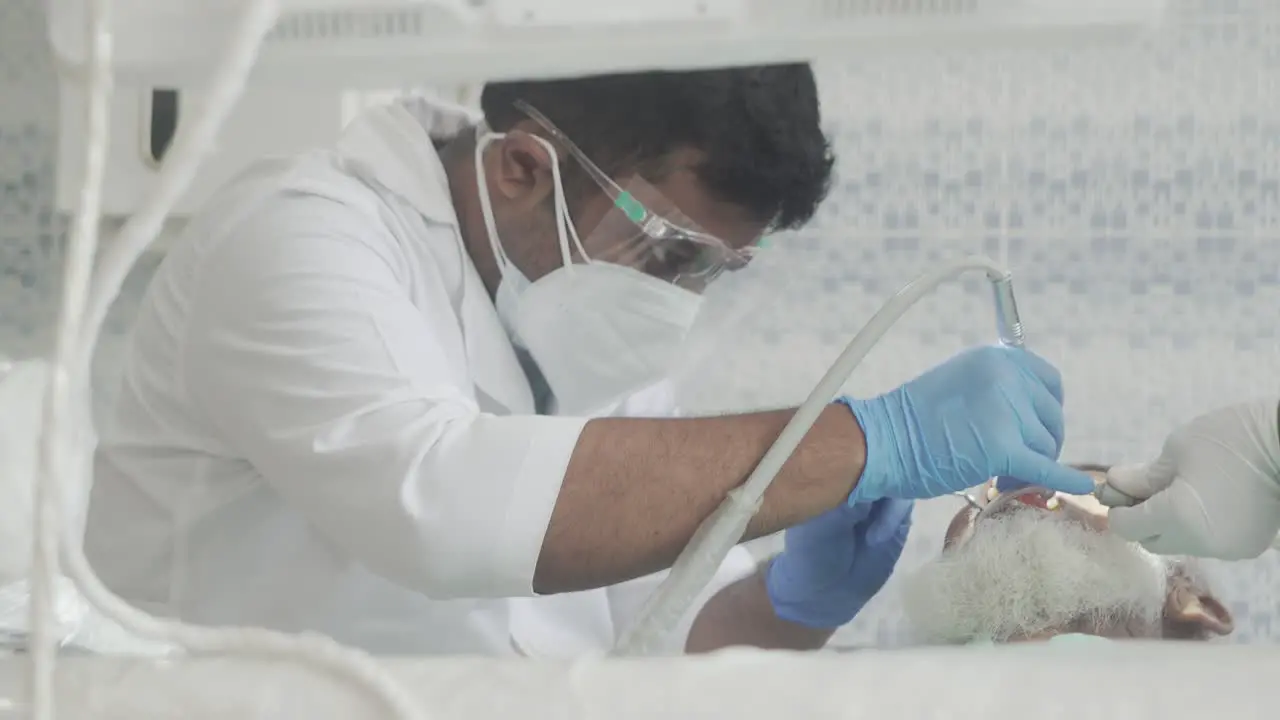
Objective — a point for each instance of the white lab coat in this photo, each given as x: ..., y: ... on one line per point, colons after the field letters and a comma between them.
x: 323, y: 426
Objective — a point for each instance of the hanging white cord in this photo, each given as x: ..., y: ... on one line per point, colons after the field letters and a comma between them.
x: 59, y: 411
x: 69, y: 381
x: 192, y: 143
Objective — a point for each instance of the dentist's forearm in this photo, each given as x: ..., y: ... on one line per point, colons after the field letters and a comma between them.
x: 636, y: 490
x: 741, y: 614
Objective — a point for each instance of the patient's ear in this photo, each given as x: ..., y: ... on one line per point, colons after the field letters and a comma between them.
x: 1191, y: 613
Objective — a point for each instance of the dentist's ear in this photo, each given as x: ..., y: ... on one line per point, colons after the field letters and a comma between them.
x: 522, y: 170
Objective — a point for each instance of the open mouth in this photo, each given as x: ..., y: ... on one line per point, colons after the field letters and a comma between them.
x: 1082, y: 508
x: 1036, y: 497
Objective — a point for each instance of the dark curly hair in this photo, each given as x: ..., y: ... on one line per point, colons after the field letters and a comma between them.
x: 757, y: 128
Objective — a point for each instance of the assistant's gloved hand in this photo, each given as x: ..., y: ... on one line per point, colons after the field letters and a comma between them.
x: 987, y: 412
x: 1213, y: 492
x: 835, y: 563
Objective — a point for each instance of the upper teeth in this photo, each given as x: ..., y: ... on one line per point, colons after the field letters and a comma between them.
x: 1051, y: 503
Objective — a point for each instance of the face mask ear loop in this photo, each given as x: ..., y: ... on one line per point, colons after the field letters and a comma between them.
x: 573, y: 233
x: 565, y: 230
x: 486, y: 205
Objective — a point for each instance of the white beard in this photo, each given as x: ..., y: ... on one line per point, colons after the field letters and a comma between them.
x: 1026, y: 573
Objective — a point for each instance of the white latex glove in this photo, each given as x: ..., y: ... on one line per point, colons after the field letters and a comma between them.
x: 1213, y: 492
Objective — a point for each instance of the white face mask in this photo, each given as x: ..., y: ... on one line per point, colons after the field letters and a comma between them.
x: 598, y: 331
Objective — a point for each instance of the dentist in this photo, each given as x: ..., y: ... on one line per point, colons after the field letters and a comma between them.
x: 365, y: 394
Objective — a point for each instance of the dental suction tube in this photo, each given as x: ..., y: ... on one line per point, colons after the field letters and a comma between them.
x: 724, y: 529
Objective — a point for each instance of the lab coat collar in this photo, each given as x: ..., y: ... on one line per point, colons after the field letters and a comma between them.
x: 391, y: 147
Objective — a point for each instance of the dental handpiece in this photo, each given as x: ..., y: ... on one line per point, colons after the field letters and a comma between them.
x: 1009, y: 327
x: 1008, y: 321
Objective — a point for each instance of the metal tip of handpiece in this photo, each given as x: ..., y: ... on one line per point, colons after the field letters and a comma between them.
x: 968, y: 499
x: 1008, y: 321
x: 1012, y: 336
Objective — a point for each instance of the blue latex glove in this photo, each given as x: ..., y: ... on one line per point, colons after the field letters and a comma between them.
x: 987, y: 412
x: 835, y: 563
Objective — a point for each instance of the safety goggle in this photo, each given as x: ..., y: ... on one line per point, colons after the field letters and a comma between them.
x: 646, y: 231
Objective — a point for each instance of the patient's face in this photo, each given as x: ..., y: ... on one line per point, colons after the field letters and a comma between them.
x: 1026, y: 572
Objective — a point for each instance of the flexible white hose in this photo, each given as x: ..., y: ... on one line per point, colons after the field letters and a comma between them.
x: 59, y: 419
x: 718, y: 534
x: 72, y: 361
x: 190, y: 146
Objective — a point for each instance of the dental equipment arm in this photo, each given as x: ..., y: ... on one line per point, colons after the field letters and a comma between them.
x: 726, y: 527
